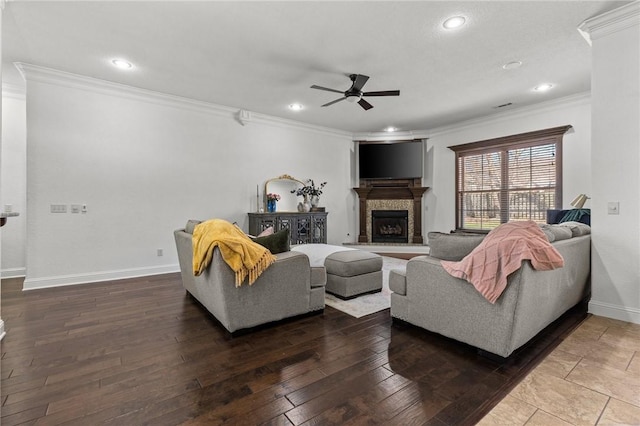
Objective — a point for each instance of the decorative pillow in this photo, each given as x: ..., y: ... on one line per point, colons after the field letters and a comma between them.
x: 277, y: 242
x: 548, y: 232
x: 560, y: 232
x: 453, y: 246
x: 578, y: 229
x: 191, y: 225
x: 268, y: 231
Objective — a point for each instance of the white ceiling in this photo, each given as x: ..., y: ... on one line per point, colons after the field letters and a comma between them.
x: 263, y: 56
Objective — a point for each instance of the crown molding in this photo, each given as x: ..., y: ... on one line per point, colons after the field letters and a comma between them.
x: 583, y: 98
x: 389, y: 136
x: 523, y: 112
x: 65, y: 79
x: 610, y: 22
x: 13, y: 91
x: 270, y: 120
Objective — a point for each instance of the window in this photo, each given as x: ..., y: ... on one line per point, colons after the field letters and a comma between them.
x: 516, y: 177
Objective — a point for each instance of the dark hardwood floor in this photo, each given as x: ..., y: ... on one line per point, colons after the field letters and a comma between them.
x: 140, y: 351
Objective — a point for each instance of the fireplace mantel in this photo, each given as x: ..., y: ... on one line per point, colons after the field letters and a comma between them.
x: 391, y: 189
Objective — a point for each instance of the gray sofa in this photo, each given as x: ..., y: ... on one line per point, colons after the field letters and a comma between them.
x: 288, y: 288
x: 428, y: 297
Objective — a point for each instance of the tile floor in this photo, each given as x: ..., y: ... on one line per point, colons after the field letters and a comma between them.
x: 592, y: 378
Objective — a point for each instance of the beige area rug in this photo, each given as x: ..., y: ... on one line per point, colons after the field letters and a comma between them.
x: 369, y: 303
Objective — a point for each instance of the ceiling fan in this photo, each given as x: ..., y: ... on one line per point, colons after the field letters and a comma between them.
x: 355, y: 93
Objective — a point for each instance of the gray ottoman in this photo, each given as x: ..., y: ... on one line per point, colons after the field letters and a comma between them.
x: 351, y: 273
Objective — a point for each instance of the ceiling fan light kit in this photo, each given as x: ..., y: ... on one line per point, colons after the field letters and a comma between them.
x: 355, y: 93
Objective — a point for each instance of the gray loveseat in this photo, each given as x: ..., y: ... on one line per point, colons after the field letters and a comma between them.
x: 428, y: 297
x: 288, y: 288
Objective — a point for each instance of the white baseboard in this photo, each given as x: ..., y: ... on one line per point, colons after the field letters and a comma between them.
x: 2, y: 332
x: 13, y: 273
x: 63, y: 280
x: 622, y: 313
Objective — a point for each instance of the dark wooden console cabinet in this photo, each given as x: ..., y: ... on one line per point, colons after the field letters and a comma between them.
x: 391, y: 189
x: 304, y: 228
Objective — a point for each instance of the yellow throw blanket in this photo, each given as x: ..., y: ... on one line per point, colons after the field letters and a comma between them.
x: 243, y: 256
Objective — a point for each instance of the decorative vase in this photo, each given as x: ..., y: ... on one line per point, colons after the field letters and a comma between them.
x: 306, y: 206
x: 271, y: 206
x: 315, y: 200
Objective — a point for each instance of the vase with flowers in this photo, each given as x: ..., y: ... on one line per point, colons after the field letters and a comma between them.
x: 309, y: 191
x: 272, y: 199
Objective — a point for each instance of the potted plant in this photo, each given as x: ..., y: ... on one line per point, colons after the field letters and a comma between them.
x: 310, y: 190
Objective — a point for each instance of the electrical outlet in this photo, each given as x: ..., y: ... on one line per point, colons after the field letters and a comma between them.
x: 84, y: 208
x: 613, y: 207
x: 58, y: 208
x: 160, y: 252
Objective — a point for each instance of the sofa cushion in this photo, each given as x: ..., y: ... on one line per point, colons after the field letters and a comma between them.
x: 577, y: 229
x: 318, y: 276
x: 560, y: 232
x: 191, y: 225
x: 546, y: 228
x: 453, y: 246
x: 278, y: 242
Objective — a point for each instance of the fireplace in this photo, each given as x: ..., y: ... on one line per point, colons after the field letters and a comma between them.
x: 391, y: 194
x: 390, y: 226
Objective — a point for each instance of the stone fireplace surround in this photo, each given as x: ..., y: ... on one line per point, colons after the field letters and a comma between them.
x: 391, y: 194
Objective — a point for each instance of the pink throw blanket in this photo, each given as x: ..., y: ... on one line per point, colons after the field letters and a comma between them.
x: 501, y: 253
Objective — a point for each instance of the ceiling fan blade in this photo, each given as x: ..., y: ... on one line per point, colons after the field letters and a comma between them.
x: 383, y: 93
x: 326, y: 88
x: 364, y: 104
x: 359, y: 81
x: 333, y: 102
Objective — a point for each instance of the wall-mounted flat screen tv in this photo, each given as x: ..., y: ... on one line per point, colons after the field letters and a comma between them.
x: 397, y: 160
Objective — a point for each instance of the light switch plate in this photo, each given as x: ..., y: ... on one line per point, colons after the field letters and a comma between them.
x: 613, y: 207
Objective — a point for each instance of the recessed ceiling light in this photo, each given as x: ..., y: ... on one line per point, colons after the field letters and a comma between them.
x: 454, y: 22
x: 543, y: 87
x: 390, y: 129
x: 512, y: 65
x: 295, y: 107
x: 122, y: 64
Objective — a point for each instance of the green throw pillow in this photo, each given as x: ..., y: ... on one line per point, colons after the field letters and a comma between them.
x: 278, y: 242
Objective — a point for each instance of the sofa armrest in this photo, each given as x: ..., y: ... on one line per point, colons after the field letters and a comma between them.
x: 398, y: 281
